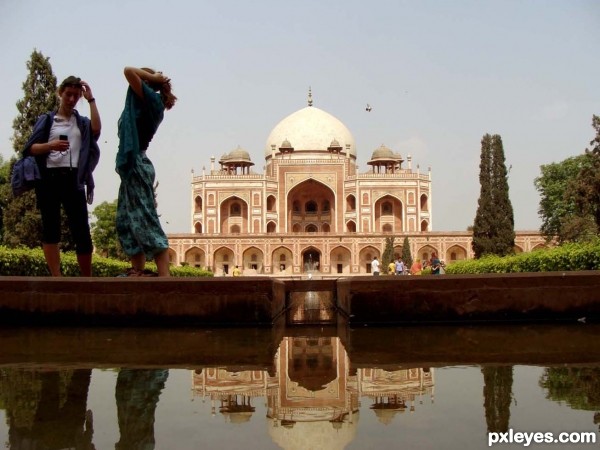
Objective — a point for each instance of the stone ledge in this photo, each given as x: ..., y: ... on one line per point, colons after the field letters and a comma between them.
x: 547, y: 296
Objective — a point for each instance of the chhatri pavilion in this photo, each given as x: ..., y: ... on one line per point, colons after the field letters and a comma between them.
x: 311, y: 209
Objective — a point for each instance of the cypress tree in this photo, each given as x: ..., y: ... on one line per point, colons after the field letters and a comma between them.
x: 483, y: 224
x: 504, y: 221
x: 406, y: 254
x: 21, y: 219
x: 388, y: 255
x: 40, y: 97
x: 493, y: 228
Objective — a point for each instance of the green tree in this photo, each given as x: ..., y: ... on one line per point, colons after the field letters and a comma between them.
x: 40, y: 97
x: 584, y: 190
x: 406, y: 254
x: 21, y: 219
x: 558, y: 211
x: 388, y: 254
x: 493, y: 228
x: 483, y: 224
x: 504, y: 216
x: 104, y: 231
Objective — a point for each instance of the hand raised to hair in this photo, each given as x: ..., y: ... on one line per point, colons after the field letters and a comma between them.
x: 87, y: 90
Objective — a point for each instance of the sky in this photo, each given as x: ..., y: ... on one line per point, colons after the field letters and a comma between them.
x: 438, y: 75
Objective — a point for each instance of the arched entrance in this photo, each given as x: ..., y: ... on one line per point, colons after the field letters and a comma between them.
x: 310, y: 204
x: 195, y: 257
x: 252, y: 261
x: 311, y: 260
x: 224, y: 261
x: 282, y: 261
x: 366, y: 255
x: 340, y: 260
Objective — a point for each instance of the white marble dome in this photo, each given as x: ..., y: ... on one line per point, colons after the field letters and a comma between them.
x: 310, y: 129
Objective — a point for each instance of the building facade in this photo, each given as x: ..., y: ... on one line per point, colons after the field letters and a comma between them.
x: 311, y: 210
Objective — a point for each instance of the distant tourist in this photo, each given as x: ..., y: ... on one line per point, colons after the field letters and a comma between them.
x: 236, y: 271
x: 436, y: 264
x: 138, y: 225
x: 391, y: 268
x: 375, y: 266
x: 399, y: 267
x: 416, y: 268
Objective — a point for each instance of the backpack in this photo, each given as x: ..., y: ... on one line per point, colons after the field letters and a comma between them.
x: 26, y: 172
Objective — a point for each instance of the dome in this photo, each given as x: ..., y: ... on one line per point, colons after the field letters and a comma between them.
x: 383, y: 152
x: 319, y: 434
x: 308, y: 129
x: 286, y: 145
x: 239, y: 154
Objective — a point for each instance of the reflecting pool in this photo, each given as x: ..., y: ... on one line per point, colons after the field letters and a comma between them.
x: 414, y: 388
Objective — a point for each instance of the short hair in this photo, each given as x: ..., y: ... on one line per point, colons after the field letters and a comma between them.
x: 70, y: 81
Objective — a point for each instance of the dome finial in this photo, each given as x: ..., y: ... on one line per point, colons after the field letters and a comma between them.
x: 310, y: 101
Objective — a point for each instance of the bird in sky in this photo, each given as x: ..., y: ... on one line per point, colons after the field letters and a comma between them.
x: 368, y: 108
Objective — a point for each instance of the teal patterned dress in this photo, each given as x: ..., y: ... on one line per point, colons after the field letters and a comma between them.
x: 138, y: 225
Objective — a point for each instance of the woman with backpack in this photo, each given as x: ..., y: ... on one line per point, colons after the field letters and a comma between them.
x: 65, y: 146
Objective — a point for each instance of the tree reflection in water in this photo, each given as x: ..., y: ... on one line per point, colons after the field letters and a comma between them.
x: 579, y: 387
x: 46, y: 409
x: 497, y: 395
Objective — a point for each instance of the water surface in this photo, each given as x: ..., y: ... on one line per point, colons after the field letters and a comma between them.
x: 417, y: 388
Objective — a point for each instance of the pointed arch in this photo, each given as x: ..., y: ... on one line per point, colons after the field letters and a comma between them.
x: 271, y: 203
x: 388, y: 214
x: 253, y: 261
x: 424, y: 202
x: 195, y: 257
x: 311, y: 259
x: 425, y: 252
x: 223, y: 261
x: 283, y: 261
x: 306, y: 203
x: 455, y: 253
x: 340, y: 260
x: 365, y: 256
x: 350, y: 203
x: 234, y: 211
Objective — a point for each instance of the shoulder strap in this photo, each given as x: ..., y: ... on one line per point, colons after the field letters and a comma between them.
x: 48, y: 125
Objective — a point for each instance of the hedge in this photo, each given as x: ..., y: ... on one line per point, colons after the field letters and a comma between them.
x: 567, y: 257
x: 31, y: 262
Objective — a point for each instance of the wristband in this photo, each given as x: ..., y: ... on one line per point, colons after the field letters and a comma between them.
x: 91, y: 100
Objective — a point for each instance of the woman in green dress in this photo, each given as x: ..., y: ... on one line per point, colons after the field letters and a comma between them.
x: 138, y: 225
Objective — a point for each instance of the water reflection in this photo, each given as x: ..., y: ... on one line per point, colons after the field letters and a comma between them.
x: 137, y: 395
x: 578, y: 387
x: 497, y: 395
x: 311, y: 396
x: 47, y: 409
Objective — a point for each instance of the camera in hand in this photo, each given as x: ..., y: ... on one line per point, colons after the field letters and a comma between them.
x: 63, y: 137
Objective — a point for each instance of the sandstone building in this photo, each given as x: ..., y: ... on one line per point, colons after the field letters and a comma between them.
x: 311, y: 210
